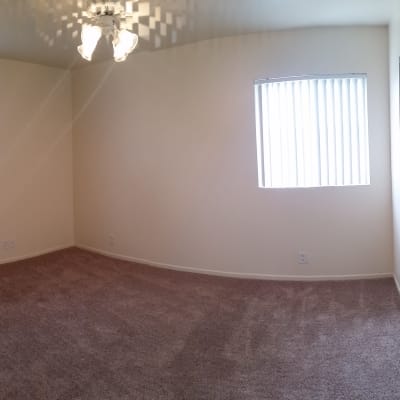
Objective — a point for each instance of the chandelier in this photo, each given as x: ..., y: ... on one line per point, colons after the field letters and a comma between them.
x: 105, y: 20
x: 158, y: 23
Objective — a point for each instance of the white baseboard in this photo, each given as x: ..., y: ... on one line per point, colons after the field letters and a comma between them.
x: 396, y: 281
x: 237, y: 274
x: 35, y: 254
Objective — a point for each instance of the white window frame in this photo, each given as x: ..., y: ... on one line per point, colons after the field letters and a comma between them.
x: 328, y: 147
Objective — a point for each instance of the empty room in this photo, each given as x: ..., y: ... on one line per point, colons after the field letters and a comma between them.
x: 200, y: 200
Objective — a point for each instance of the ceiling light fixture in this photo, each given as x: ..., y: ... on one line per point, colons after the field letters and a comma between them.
x: 158, y: 24
x: 105, y: 21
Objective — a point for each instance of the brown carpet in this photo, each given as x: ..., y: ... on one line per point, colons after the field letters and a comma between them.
x: 74, y: 325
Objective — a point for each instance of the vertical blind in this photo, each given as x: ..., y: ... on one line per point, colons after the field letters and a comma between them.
x: 312, y: 131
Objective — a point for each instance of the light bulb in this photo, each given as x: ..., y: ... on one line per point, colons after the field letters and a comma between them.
x: 124, y: 43
x: 91, y: 34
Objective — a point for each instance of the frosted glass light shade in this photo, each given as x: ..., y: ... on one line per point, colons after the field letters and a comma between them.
x: 91, y: 34
x: 124, y: 43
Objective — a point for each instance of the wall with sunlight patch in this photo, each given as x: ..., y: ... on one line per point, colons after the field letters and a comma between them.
x: 394, y: 36
x: 36, y: 207
x: 166, y: 168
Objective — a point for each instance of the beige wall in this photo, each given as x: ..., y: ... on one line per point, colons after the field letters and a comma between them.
x: 165, y: 159
x: 36, y: 207
x: 394, y: 36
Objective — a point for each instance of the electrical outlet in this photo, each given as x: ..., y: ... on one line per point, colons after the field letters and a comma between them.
x: 10, y: 245
x: 111, y: 241
x: 7, y: 245
x: 302, y: 258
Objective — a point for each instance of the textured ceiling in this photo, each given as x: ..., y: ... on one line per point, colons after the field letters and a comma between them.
x: 47, y: 31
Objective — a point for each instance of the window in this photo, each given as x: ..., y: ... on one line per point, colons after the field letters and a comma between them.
x: 312, y: 131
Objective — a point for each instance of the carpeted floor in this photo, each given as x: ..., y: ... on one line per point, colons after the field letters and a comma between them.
x: 74, y: 325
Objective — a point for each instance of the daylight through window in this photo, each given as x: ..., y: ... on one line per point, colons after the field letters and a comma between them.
x: 312, y: 131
